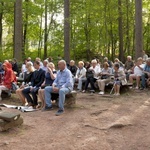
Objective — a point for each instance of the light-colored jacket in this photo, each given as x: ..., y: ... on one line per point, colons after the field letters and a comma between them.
x: 81, y: 73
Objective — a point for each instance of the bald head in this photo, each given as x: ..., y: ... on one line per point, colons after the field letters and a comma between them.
x: 62, y: 65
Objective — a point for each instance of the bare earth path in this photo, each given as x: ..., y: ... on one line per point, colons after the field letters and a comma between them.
x: 95, y: 123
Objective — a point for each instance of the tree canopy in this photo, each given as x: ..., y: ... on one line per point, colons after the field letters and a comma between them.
x: 97, y: 28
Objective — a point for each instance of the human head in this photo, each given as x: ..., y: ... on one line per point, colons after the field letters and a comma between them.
x: 7, y: 66
x: 129, y: 58
x: 80, y: 64
x: 37, y: 59
x: 148, y: 61
x: 51, y: 65
x: 29, y: 59
x: 116, y: 66
x: 62, y: 65
x: 116, y: 60
x: 72, y: 62
x: 37, y: 65
x: 45, y: 62
x: 105, y: 59
x: 140, y: 60
x: 105, y: 65
x: 29, y: 67
x: 94, y: 62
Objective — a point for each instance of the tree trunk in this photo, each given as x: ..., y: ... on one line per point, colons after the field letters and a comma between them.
x: 138, y: 29
x: 121, y: 52
x: 67, y: 30
x: 18, y: 30
x: 1, y: 25
x: 25, y: 46
x: 45, y: 33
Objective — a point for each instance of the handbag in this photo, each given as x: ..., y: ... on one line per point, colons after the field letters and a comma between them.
x: 89, y: 74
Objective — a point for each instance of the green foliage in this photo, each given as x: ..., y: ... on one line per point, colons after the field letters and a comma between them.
x: 94, y: 27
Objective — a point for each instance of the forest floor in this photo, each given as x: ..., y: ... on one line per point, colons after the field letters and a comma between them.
x: 94, y: 123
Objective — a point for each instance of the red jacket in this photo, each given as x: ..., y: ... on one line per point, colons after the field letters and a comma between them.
x: 9, y: 75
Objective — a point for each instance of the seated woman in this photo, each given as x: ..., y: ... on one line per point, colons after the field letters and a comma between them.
x: 27, y: 75
x: 80, y: 76
x: 92, y: 75
x: 50, y: 76
x: 119, y: 79
x: 137, y: 72
x: 105, y: 77
x: 8, y: 78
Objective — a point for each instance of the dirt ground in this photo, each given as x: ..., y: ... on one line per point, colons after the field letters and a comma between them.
x: 94, y: 123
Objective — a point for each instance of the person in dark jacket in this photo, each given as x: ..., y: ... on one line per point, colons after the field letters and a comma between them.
x: 72, y: 67
x: 36, y: 82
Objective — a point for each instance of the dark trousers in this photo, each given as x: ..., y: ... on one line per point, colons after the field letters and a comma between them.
x: 26, y: 92
x: 91, y: 81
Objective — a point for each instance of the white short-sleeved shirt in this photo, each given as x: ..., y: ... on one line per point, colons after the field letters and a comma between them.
x: 138, y: 71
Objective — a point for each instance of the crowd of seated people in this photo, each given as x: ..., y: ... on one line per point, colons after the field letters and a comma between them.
x: 40, y: 78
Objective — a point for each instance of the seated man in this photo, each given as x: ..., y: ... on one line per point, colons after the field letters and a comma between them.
x: 36, y: 81
x: 146, y: 74
x: 80, y: 76
x: 62, y: 85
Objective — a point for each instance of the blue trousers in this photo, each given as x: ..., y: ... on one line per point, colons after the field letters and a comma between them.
x: 62, y: 92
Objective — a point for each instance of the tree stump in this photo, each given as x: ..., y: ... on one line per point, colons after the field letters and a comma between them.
x: 9, y: 120
x: 71, y: 98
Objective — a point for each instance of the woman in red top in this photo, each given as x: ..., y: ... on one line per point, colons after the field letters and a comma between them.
x: 9, y: 77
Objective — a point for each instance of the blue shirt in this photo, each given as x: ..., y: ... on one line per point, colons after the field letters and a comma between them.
x: 64, y: 79
x: 147, y: 68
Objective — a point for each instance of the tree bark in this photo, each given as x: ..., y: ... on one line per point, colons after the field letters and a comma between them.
x: 67, y: 30
x: 120, y: 28
x: 138, y: 29
x: 1, y: 25
x: 46, y: 32
x: 18, y: 30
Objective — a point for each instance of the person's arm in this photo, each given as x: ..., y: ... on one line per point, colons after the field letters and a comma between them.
x: 53, y: 76
x: 122, y: 75
x: 69, y: 83
x: 83, y: 73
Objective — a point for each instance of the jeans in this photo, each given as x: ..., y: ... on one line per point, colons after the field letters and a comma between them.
x: 80, y: 82
x: 143, y: 77
x: 62, y: 92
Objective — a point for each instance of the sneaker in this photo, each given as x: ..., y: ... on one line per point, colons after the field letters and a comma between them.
x: 136, y: 87
x: 84, y: 91
x: 46, y: 108
x: 117, y: 94
x: 92, y: 91
x: 59, y: 112
x: 101, y: 93
x: 141, y: 88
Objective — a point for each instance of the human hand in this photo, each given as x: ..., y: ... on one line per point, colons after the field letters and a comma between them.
x: 55, y: 89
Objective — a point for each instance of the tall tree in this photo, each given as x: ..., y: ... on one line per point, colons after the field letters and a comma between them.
x: 120, y: 27
x: 46, y: 32
x: 1, y: 18
x: 67, y: 30
x: 18, y: 30
x: 138, y: 29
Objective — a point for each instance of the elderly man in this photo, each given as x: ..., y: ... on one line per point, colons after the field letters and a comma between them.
x: 62, y: 85
x: 146, y: 74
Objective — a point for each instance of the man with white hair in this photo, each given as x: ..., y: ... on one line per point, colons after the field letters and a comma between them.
x: 63, y: 84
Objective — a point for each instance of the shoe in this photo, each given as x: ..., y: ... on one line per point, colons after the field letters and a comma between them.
x: 46, y: 108
x: 117, y: 94
x: 136, y: 87
x: 141, y: 88
x: 84, y: 91
x: 101, y: 93
x: 30, y: 104
x: 92, y: 91
x: 59, y: 112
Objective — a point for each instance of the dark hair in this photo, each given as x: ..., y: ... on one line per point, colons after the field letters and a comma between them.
x: 37, y: 62
x: 116, y: 65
